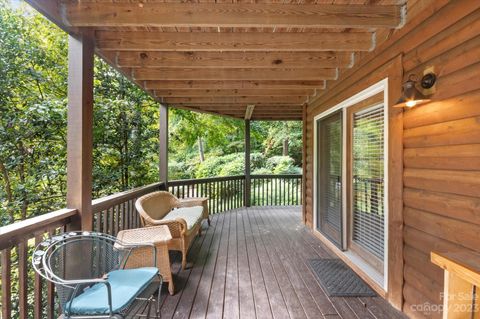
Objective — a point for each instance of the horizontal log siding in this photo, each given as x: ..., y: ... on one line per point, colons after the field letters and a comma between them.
x: 441, y: 156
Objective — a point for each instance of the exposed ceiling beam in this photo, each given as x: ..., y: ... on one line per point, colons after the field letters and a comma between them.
x: 234, y: 74
x: 157, y: 14
x: 238, y: 99
x: 233, y: 59
x: 241, y: 106
x: 232, y: 84
x: 239, y: 114
x: 235, y: 92
x: 274, y: 118
x: 233, y: 41
x: 51, y: 10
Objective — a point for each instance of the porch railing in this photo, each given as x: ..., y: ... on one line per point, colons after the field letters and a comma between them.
x: 276, y: 190
x: 224, y: 193
x: 116, y: 212
x: 227, y: 193
x: 26, y: 295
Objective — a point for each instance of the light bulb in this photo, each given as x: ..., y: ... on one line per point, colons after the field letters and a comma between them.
x: 411, y: 103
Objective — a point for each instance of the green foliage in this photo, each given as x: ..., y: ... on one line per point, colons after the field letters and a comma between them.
x: 282, y: 165
x: 179, y: 170
x: 125, y: 133
x: 231, y: 164
x: 32, y: 121
x: 277, y: 133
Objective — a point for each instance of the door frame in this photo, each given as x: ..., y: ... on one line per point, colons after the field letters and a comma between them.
x: 372, y: 276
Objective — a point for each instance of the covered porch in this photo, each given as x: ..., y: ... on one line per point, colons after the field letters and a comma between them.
x: 322, y: 63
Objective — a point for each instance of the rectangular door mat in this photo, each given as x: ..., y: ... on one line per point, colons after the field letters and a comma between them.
x: 338, y: 280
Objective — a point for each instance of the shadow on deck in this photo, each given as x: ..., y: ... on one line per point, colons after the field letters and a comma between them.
x: 252, y: 263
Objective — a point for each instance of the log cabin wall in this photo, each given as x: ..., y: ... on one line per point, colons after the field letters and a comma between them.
x: 438, y: 186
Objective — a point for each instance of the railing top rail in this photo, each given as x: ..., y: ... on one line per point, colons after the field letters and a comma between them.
x: 106, y: 202
x: 204, y: 180
x: 276, y: 176
x: 15, y: 233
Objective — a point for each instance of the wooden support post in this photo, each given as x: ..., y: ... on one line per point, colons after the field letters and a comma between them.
x: 248, y: 185
x: 80, y: 130
x: 304, y: 163
x: 163, y: 141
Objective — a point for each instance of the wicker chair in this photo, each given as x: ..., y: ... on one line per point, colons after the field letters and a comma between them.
x: 154, y: 207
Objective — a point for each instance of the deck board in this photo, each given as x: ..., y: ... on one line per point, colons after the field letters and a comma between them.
x: 253, y: 263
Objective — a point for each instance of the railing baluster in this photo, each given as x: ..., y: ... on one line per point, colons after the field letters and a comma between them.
x: 222, y: 195
x: 110, y: 220
x: 22, y: 279
x: 237, y: 189
x: 6, y: 284
x: 227, y: 195
x: 105, y: 221
x: 234, y: 193
x: 296, y: 190
x: 276, y: 191
x: 239, y: 193
x: 230, y: 194
x: 257, y: 188
x: 253, y: 199
x: 217, y: 196
x: 37, y: 289
x: 117, y: 219
x: 50, y: 293
x: 129, y: 214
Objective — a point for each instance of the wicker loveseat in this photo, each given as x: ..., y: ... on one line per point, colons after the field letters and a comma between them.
x: 182, y: 216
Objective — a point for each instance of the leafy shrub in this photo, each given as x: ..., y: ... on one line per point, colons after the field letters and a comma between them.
x: 179, y: 170
x: 221, y: 166
x: 282, y: 165
x: 257, y: 160
x: 261, y: 171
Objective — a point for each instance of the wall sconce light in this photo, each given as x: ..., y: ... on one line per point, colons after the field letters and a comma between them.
x: 411, y: 96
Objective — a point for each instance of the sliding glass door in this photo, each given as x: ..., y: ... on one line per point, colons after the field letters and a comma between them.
x: 366, y: 179
x: 351, y: 209
x: 329, y: 177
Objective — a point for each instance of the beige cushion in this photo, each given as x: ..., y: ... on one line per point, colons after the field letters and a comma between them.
x: 192, y: 215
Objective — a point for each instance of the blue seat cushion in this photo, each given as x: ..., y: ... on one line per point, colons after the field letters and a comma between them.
x: 126, y: 285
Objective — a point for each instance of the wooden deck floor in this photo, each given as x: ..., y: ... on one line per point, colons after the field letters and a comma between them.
x: 252, y: 263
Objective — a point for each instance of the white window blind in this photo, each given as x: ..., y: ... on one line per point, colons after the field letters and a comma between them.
x: 368, y: 180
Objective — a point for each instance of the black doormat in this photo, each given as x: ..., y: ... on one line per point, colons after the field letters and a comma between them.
x: 338, y: 280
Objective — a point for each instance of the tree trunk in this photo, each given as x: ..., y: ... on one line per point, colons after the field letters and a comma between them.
x: 285, y: 147
x: 6, y: 178
x: 21, y: 173
x: 8, y: 190
x: 200, y: 150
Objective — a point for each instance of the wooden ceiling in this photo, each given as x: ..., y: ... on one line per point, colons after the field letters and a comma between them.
x: 219, y: 56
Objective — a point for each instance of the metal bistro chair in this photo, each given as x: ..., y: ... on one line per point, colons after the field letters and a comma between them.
x: 87, y: 269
